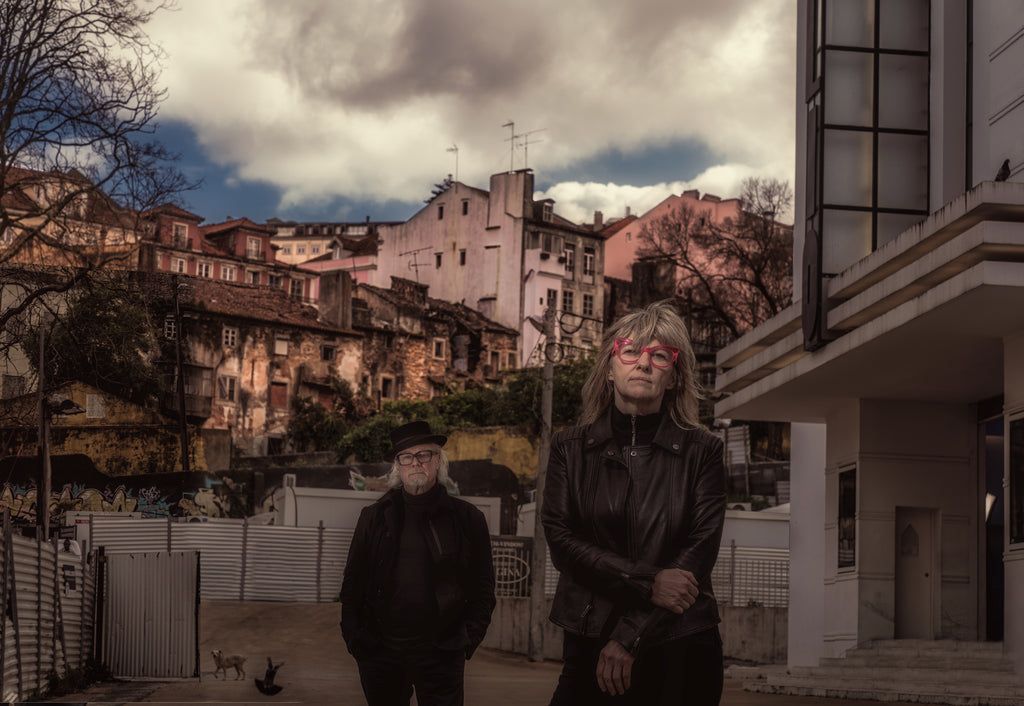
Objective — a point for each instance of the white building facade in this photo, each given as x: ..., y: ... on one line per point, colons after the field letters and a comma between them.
x: 901, y: 364
x: 504, y: 255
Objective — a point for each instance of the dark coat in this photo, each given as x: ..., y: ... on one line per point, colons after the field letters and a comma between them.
x: 463, y: 573
x: 609, y: 542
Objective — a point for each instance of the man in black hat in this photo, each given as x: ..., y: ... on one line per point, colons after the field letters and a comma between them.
x: 418, y: 590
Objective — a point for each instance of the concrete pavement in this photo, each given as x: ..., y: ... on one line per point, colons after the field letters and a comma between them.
x: 318, y: 669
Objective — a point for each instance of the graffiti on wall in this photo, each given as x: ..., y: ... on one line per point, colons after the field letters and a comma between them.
x: 150, y: 501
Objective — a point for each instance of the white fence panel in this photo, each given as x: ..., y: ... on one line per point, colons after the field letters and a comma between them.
x: 306, y: 564
x: 48, y: 626
x: 119, y: 536
x: 752, y: 576
x: 239, y: 561
x: 282, y: 561
x: 332, y: 562
x: 220, y: 551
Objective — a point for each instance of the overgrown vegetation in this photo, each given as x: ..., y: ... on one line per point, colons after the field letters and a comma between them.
x: 359, y: 436
x: 104, y: 338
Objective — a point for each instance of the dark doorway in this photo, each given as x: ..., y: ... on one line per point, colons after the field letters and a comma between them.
x: 993, y: 509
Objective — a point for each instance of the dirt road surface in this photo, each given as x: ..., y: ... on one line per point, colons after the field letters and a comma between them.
x: 318, y: 669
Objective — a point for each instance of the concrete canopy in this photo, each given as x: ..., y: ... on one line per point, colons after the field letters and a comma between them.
x: 922, y: 318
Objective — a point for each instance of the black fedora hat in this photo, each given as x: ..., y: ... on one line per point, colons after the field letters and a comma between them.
x: 412, y: 434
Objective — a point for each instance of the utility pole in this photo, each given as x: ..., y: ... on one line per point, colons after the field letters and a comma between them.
x: 43, y: 496
x: 181, y: 378
x: 537, y: 613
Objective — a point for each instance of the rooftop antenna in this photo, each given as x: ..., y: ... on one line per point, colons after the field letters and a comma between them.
x: 415, y: 266
x: 512, y: 146
x: 455, y: 148
x: 526, y: 145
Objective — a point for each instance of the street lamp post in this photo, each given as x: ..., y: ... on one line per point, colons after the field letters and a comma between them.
x: 537, y: 614
x: 182, y: 418
x: 43, y: 496
x: 47, y: 409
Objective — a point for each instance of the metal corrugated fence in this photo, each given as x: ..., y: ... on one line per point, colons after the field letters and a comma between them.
x: 305, y: 564
x: 50, y: 625
x: 149, y: 622
x: 238, y: 560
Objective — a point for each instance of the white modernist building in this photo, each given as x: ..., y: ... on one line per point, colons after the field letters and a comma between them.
x: 901, y: 364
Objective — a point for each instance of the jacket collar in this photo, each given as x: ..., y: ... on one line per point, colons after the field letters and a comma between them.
x: 669, y: 436
x: 392, y: 500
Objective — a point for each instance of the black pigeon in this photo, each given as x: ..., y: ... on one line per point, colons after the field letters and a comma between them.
x: 1004, y: 171
x: 266, y: 685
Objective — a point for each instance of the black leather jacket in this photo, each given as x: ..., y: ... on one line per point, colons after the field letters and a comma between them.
x: 460, y: 547
x: 609, y: 540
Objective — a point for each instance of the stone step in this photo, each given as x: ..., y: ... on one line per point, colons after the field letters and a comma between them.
x: 914, y: 671
x: 939, y: 661
x: 892, y: 648
x: 941, y: 678
x: 891, y: 693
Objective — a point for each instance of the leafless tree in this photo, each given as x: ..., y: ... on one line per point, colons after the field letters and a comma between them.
x: 734, y: 274
x: 79, y: 163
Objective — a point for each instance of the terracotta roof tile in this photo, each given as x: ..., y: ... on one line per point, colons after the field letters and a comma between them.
x: 174, y: 211
x: 613, y: 228
x: 471, y: 318
x: 258, y: 303
x: 215, y: 229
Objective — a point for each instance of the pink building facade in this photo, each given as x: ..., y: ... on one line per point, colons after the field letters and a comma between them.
x: 623, y: 242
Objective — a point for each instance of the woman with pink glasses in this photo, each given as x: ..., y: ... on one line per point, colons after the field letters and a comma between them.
x: 633, y: 509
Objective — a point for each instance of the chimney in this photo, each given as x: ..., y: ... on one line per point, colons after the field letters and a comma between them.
x: 598, y: 220
x: 336, y: 299
x: 627, y: 212
x: 511, y: 195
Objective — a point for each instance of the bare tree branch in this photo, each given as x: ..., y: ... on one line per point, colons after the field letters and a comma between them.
x: 734, y: 274
x: 79, y: 165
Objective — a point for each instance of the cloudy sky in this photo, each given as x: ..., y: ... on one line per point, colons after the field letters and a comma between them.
x: 346, y: 109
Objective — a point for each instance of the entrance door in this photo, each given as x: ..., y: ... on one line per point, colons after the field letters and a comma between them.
x: 915, y: 573
x: 151, y: 614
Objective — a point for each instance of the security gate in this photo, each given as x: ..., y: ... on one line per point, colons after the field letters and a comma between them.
x: 150, y: 622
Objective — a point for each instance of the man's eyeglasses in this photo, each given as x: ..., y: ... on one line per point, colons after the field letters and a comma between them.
x: 660, y: 356
x: 408, y: 459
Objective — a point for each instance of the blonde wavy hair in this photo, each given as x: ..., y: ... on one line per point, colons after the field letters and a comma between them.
x: 660, y: 321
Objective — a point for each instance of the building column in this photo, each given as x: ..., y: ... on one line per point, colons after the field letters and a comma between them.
x: 806, y: 545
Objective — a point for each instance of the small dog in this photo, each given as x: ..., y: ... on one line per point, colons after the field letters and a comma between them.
x: 224, y: 661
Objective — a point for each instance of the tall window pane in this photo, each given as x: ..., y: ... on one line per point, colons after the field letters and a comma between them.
x: 1017, y: 481
x: 847, y: 518
x: 849, y: 88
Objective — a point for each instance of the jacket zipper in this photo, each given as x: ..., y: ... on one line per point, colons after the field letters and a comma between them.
x: 437, y: 540
x: 583, y: 617
x: 630, y: 499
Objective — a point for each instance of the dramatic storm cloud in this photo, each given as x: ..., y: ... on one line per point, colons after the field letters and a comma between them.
x: 366, y: 99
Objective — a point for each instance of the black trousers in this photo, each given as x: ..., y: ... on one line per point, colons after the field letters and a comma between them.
x: 389, y: 676
x: 683, y: 672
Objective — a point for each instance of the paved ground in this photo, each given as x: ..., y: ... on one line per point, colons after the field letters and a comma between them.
x: 318, y: 669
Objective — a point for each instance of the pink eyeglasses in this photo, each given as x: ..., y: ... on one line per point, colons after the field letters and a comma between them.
x: 660, y: 356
